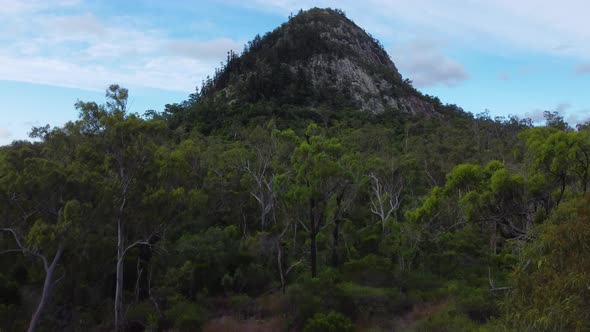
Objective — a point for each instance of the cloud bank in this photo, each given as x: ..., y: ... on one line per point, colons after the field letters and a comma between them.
x: 83, y: 50
x: 67, y: 43
x: 426, y: 65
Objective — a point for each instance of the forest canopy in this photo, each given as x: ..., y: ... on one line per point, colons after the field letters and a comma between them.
x: 120, y: 220
x: 282, y: 197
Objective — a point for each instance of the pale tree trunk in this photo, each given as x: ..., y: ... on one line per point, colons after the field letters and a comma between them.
x: 119, y: 276
x: 387, y: 197
x: 282, y: 272
x: 313, y: 232
x: 47, y: 289
x: 264, y: 193
x: 49, y: 273
x: 313, y: 254
x: 125, y: 182
x: 280, y: 265
x: 121, y: 251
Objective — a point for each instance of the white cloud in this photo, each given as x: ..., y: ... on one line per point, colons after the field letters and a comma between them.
x: 577, y: 118
x: 536, y: 115
x: 565, y: 109
x: 424, y: 63
x: 11, y: 7
x: 212, y: 49
x: 5, y: 133
x: 583, y: 69
x: 168, y: 73
x: 83, y: 50
x: 562, y: 108
x: 76, y: 47
x: 500, y: 26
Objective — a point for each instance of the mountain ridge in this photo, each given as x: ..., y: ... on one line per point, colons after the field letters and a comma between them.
x: 318, y: 57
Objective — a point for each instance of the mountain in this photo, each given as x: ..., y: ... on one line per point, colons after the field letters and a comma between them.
x: 317, y: 58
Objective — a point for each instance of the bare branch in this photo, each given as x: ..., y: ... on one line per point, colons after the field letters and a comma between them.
x: 136, y: 243
x: 59, y: 279
x: 22, y: 248
x: 303, y: 224
x: 11, y: 250
x: 15, y: 235
x: 293, y: 265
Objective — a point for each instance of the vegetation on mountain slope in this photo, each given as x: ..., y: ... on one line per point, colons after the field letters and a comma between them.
x: 278, y: 214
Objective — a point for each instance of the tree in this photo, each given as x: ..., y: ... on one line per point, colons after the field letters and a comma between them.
x: 256, y: 160
x: 550, y: 283
x: 41, y: 213
x: 557, y: 158
x: 127, y: 143
x: 321, y: 181
x: 386, y: 187
x: 556, y: 121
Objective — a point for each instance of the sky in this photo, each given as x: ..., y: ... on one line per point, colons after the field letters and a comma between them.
x: 508, y: 57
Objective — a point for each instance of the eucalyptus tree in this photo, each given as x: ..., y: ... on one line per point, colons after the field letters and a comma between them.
x: 320, y: 183
x: 41, y: 215
x: 558, y: 160
x: 122, y: 146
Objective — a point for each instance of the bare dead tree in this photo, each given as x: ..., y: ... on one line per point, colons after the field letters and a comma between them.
x: 386, y: 192
x: 263, y: 192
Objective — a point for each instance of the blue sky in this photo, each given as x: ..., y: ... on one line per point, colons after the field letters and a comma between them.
x: 510, y: 57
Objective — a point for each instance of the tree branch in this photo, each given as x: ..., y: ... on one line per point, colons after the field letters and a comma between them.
x: 15, y: 235
x: 22, y: 248
x: 134, y: 245
x: 11, y: 250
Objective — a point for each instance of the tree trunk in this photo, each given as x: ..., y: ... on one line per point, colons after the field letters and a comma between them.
x: 313, y: 253
x: 119, y: 276
x: 335, y: 234
x: 561, y: 192
x: 585, y: 181
x: 312, y: 237
x: 47, y: 288
x: 280, y: 265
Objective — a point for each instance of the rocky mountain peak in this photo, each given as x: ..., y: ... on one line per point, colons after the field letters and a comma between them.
x: 318, y: 57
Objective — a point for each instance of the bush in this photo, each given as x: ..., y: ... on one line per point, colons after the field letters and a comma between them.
x: 187, y: 316
x: 143, y: 313
x: 368, y: 301
x: 313, y: 296
x: 550, y: 285
x: 330, y: 322
x: 451, y: 320
x: 370, y: 270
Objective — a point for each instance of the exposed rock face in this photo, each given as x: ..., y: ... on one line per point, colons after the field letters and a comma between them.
x: 319, y: 57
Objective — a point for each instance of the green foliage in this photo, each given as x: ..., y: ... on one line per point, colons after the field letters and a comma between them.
x: 146, y: 314
x: 330, y: 322
x: 187, y: 316
x: 550, y: 291
x: 369, y: 301
x: 188, y: 184
x: 449, y: 319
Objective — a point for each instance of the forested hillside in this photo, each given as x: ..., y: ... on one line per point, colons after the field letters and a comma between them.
x: 263, y: 204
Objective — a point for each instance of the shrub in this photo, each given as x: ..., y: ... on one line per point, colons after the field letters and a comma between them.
x: 451, y: 320
x: 187, y: 316
x: 330, y: 322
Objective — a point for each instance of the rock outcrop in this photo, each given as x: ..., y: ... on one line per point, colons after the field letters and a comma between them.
x: 319, y: 57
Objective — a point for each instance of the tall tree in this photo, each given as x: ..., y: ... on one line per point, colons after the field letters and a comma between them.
x: 321, y: 179
x: 41, y: 215
x: 127, y: 143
